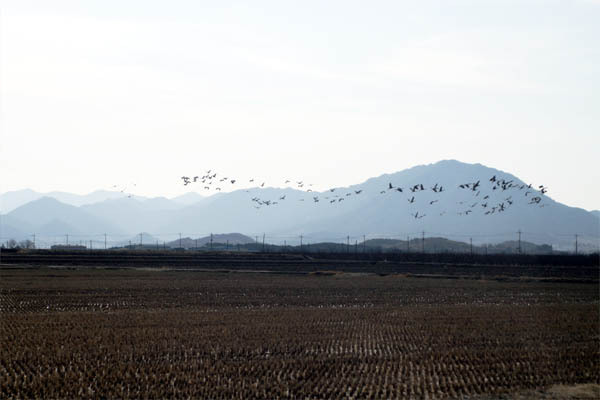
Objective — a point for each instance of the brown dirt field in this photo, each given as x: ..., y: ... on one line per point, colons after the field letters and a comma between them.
x: 87, y: 333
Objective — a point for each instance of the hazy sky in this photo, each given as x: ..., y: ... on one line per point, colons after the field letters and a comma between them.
x: 98, y: 93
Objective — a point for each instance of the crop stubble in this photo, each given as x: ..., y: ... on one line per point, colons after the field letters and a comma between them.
x: 152, y: 334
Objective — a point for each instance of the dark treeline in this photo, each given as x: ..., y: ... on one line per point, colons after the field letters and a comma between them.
x: 253, y: 252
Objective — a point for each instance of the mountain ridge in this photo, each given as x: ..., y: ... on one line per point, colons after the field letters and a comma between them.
x: 337, y: 213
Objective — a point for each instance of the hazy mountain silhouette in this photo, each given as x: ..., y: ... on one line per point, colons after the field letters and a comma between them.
x: 231, y: 238
x: 54, y: 217
x: 436, y: 244
x: 57, y: 228
x: 143, y: 238
x: 390, y: 213
x: 14, y: 199
x: 12, y: 228
x: 369, y: 213
x: 132, y: 215
x: 188, y: 198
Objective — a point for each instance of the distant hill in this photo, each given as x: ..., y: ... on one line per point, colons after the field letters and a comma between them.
x: 51, y: 217
x: 596, y: 213
x: 492, y: 213
x: 188, y: 198
x: 455, y: 212
x: 14, y: 199
x: 231, y: 238
x: 141, y: 239
x: 57, y: 227
x: 10, y: 231
x: 132, y: 215
x: 443, y: 245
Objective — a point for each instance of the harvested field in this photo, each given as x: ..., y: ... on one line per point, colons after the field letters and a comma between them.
x: 69, y: 333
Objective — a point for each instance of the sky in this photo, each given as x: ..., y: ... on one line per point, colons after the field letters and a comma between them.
x: 101, y: 93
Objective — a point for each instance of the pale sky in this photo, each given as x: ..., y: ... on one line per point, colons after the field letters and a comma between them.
x: 102, y: 93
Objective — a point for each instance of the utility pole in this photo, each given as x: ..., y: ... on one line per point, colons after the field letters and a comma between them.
x: 90, y: 244
x: 211, y: 240
x: 105, y: 241
x: 364, y: 244
x: 300, y: 243
x: 141, y: 240
x: 423, y: 243
x: 519, y: 248
x: 67, y: 235
x: 348, y: 244
x: 576, y: 237
x: 355, y: 246
x: 180, y: 240
x: 263, y: 247
x: 34, y: 240
x: 471, y: 240
x: 408, y: 244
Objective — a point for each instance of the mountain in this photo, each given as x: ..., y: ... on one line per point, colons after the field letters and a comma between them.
x: 442, y: 245
x: 390, y: 213
x: 595, y: 213
x: 500, y: 206
x: 188, y: 198
x: 160, y: 203
x: 231, y: 238
x: 14, y: 199
x: 456, y: 213
x: 141, y: 239
x: 11, y: 200
x: 132, y: 215
x: 57, y: 228
x: 52, y: 217
x: 12, y: 228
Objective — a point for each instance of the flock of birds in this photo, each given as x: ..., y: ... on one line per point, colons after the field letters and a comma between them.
x: 481, y: 198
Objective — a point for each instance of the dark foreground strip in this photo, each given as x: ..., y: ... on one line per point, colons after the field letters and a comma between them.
x: 296, y: 263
